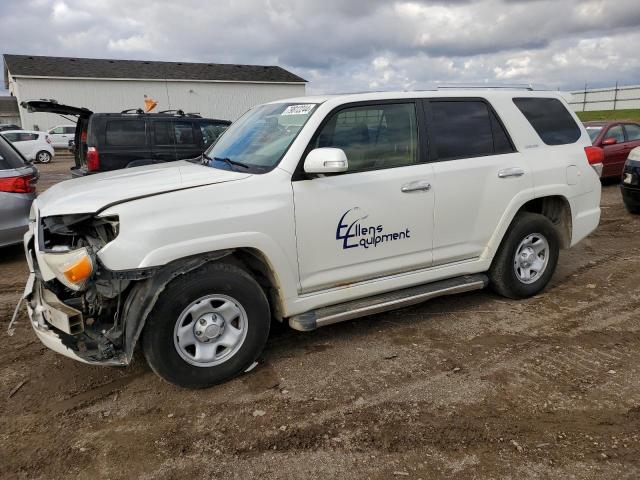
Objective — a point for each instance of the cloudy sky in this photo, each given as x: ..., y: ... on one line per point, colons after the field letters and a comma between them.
x: 350, y: 45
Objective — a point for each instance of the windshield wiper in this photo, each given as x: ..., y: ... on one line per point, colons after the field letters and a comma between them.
x: 226, y: 160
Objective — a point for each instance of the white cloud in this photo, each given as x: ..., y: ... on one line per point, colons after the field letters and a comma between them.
x: 351, y: 45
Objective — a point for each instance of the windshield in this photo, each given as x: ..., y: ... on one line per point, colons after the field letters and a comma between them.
x: 259, y: 139
x: 593, y: 132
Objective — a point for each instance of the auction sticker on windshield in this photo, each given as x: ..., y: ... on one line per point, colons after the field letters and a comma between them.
x: 302, y: 109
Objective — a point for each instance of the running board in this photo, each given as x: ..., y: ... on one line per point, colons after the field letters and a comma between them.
x: 387, y: 301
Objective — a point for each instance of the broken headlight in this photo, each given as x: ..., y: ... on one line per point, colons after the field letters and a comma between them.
x: 72, y: 268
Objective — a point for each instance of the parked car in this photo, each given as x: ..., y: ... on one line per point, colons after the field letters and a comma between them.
x: 313, y: 211
x: 8, y: 126
x: 33, y: 145
x: 17, y: 191
x: 110, y: 141
x: 630, y: 185
x: 61, y: 135
x: 617, y: 139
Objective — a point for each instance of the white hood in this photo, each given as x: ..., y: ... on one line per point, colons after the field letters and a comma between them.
x: 94, y: 192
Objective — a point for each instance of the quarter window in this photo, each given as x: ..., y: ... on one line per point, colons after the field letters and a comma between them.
x: 463, y: 129
x: 373, y: 137
x: 550, y: 119
x: 633, y: 132
x: 126, y: 133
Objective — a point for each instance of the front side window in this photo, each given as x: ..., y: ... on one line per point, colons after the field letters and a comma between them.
x: 633, y: 132
x: 550, y: 119
x: 126, y: 133
x: 211, y: 132
x: 12, y: 137
x: 615, y: 132
x: 373, y: 136
x: 260, y: 138
x: 57, y: 131
x: 464, y: 129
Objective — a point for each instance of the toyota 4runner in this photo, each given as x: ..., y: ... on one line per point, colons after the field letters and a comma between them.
x: 312, y: 211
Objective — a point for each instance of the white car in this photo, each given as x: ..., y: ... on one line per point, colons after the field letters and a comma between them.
x: 313, y: 211
x: 34, y: 146
x: 61, y: 135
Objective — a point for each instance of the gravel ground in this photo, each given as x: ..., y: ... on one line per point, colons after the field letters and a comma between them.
x: 470, y: 386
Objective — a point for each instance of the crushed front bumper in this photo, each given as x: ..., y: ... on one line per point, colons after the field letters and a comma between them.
x: 57, y: 325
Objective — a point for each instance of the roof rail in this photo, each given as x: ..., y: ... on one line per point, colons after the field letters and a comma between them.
x: 139, y: 111
x: 489, y: 86
x: 175, y: 112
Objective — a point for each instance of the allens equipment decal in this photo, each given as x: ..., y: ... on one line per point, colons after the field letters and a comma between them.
x: 354, y: 232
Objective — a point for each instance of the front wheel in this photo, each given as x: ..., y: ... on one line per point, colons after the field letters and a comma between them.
x: 207, y: 326
x: 43, y: 157
x: 527, y: 257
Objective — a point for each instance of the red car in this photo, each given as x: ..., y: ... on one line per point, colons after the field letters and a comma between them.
x: 617, y: 139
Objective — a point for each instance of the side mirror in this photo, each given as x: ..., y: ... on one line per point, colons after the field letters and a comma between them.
x: 609, y: 141
x: 326, y: 160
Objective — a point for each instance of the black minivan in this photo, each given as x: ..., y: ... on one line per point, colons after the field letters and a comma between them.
x: 110, y: 141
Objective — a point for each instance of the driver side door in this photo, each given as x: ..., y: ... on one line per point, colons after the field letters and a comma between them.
x: 375, y: 219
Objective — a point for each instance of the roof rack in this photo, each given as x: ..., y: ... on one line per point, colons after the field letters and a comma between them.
x: 176, y: 112
x: 139, y: 111
x: 489, y: 86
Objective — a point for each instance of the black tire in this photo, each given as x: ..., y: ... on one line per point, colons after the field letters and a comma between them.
x: 43, y: 157
x: 502, y: 274
x: 632, y: 210
x: 158, y: 334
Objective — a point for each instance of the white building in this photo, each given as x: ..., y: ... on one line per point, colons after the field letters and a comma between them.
x: 213, y: 90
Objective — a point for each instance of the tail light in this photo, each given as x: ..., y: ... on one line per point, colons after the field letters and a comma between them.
x: 46, y: 137
x: 595, y: 157
x: 93, y: 159
x: 22, y: 184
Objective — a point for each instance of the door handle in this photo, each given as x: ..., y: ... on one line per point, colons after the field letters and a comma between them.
x: 511, y: 172
x: 420, y: 186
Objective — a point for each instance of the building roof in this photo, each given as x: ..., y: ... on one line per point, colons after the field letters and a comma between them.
x: 66, y: 67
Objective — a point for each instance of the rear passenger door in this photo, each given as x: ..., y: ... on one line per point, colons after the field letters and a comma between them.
x: 125, y: 140
x: 477, y: 174
x: 164, y: 141
x: 188, y: 140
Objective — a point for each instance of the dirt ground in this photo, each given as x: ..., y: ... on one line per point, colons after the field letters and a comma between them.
x: 470, y: 386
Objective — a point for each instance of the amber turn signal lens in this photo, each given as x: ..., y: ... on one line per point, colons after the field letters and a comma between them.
x: 79, y: 271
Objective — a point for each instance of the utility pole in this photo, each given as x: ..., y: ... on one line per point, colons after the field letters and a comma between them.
x: 615, y: 96
x: 584, y: 99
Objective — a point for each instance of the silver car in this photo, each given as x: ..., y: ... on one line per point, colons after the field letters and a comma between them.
x: 17, y: 190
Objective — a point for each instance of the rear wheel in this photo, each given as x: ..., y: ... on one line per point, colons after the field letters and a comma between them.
x: 527, y: 257
x: 43, y: 157
x: 208, y: 326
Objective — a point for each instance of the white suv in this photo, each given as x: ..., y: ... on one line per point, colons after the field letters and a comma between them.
x: 311, y: 210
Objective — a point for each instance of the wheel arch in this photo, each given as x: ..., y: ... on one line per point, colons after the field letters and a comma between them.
x: 144, y: 294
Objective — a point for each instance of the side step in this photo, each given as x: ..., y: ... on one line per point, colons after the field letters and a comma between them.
x: 387, y: 301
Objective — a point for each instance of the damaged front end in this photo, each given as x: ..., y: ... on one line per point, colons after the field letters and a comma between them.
x: 74, y: 302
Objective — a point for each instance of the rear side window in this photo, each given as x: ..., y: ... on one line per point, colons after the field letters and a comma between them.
x: 163, y: 133
x: 126, y: 133
x: 70, y: 130
x: 20, y: 137
x: 463, y: 129
x: 633, y: 132
x: 550, y: 119
x: 184, y: 133
x: 9, y: 158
